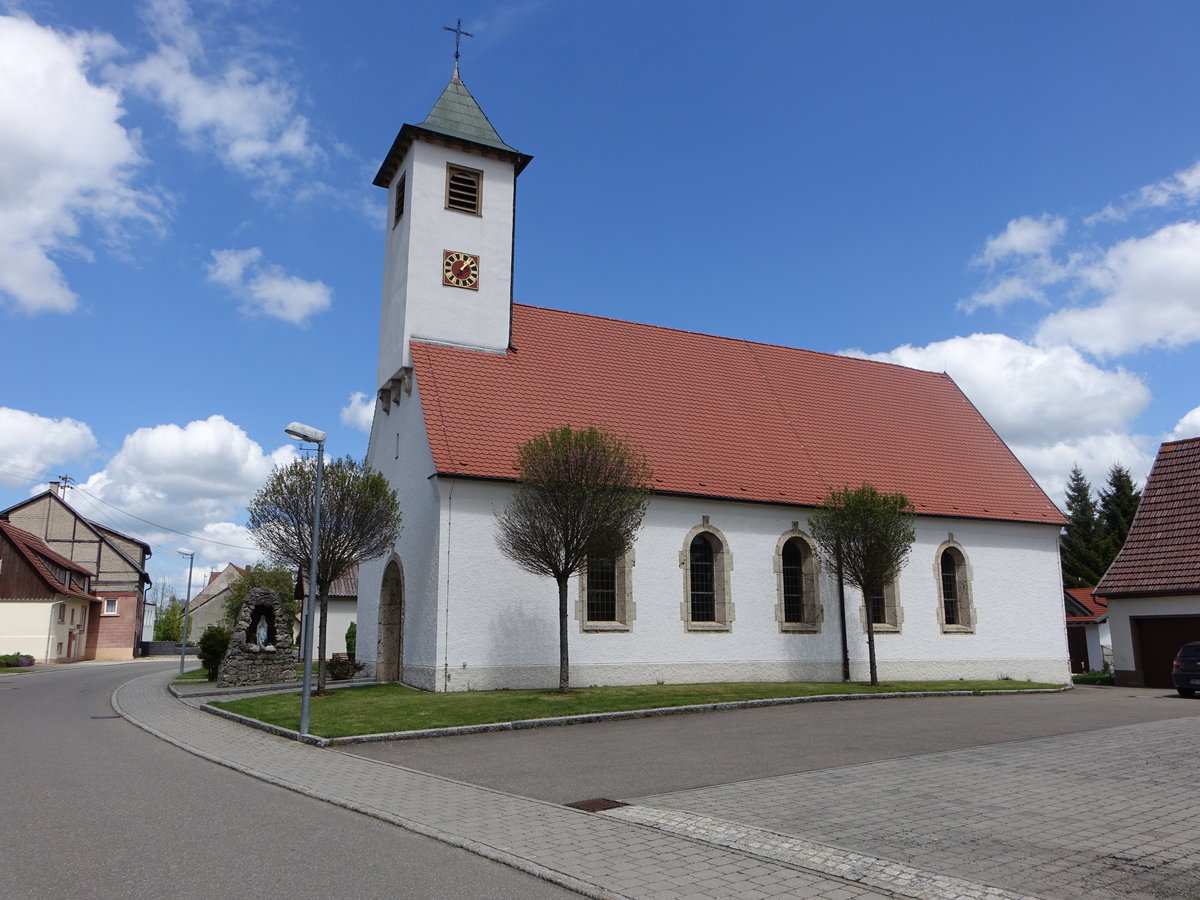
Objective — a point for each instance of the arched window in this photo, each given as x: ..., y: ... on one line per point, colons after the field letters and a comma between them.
x: 703, y: 582
x: 884, y: 609
x: 798, y: 607
x: 706, y: 563
x: 955, y: 610
x: 606, y: 593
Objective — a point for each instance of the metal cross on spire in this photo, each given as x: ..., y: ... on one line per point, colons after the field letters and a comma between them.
x: 458, y: 36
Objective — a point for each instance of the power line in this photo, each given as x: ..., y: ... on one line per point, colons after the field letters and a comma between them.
x: 186, y: 534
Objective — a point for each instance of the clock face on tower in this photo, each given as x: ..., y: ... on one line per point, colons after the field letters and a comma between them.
x: 460, y: 269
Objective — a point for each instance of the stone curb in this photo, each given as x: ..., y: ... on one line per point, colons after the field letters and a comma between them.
x: 588, y: 718
x: 487, y: 851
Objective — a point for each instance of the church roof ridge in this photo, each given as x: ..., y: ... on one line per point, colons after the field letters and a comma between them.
x: 736, y: 340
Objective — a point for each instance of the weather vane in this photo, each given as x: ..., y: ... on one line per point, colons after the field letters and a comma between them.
x: 458, y: 36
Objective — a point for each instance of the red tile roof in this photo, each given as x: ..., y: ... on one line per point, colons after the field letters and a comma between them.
x: 38, y: 553
x: 1162, y: 552
x: 1096, y: 607
x: 723, y: 418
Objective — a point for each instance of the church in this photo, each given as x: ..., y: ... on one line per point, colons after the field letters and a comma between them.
x: 723, y: 582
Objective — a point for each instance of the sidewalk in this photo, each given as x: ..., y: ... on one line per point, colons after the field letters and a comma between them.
x: 606, y: 855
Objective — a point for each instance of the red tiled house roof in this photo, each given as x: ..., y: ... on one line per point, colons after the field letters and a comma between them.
x: 723, y: 418
x: 38, y: 554
x: 1087, y: 608
x: 1162, y: 551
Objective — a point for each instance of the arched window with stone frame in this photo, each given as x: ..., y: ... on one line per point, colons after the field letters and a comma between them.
x: 952, y: 573
x: 883, y: 606
x: 605, y: 601
x: 706, y: 563
x: 798, y: 605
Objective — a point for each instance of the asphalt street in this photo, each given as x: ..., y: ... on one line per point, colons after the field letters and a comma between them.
x: 637, y: 757
x: 95, y: 807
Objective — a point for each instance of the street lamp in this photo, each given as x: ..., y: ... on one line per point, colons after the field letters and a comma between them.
x: 310, y: 435
x: 183, y: 551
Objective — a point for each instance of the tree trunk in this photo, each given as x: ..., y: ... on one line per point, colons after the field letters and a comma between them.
x: 564, y: 661
x: 323, y: 603
x: 871, y: 640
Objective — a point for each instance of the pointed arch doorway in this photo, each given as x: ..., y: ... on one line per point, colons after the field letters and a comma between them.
x: 389, y: 657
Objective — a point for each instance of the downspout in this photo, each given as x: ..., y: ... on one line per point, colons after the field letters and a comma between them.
x: 446, y: 614
x: 50, y: 630
x: 842, y: 615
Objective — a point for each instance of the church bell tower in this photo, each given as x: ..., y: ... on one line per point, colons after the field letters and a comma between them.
x: 447, y: 274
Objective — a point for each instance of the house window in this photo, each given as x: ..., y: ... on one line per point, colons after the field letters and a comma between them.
x: 606, y: 593
x: 798, y: 607
x: 706, y: 564
x: 956, y: 612
x: 884, y: 609
x: 110, y: 606
x: 464, y: 189
x: 398, y: 208
x: 62, y: 614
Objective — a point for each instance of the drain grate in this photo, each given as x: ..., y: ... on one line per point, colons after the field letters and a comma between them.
x: 599, y: 804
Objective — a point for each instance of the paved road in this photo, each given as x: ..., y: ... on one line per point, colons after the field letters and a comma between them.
x: 94, y: 807
x: 652, y: 756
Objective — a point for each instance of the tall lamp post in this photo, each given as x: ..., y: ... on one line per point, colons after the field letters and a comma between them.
x: 182, y: 551
x: 310, y: 435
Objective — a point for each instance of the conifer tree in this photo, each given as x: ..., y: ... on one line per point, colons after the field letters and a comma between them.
x: 1079, y: 546
x: 1118, y: 505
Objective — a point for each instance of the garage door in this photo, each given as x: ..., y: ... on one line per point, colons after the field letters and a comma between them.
x: 1157, y: 639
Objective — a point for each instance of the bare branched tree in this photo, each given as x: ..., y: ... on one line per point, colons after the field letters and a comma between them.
x: 360, y: 520
x: 867, y: 535
x: 580, y: 491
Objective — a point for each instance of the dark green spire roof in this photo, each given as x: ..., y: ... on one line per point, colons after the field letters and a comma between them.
x: 455, y: 115
x: 458, y: 115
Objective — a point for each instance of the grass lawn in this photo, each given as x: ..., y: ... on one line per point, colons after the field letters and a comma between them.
x: 378, y: 709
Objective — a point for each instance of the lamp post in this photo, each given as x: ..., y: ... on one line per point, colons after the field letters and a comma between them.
x: 310, y: 435
x: 183, y: 551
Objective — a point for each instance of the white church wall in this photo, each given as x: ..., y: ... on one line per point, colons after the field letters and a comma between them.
x: 502, y: 622
x: 413, y: 268
x: 398, y: 449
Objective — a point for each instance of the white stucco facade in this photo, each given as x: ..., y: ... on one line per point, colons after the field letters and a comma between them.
x: 474, y: 620
x: 1121, y: 610
x: 33, y: 627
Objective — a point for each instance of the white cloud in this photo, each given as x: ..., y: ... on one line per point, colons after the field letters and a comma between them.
x: 1150, y: 296
x: 189, y: 478
x: 1025, y: 246
x: 358, y: 412
x: 1182, y: 188
x: 65, y: 157
x: 265, y: 288
x: 1187, y: 427
x: 1052, y: 406
x: 247, y: 117
x: 30, y: 443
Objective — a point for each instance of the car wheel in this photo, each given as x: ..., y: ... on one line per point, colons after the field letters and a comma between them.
x: 1186, y: 692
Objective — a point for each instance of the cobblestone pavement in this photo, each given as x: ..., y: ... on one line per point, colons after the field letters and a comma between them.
x: 597, y: 855
x: 1109, y: 813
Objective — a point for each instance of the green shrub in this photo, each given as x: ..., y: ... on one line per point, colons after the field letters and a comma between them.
x: 13, y: 660
x: 213, y: 644
x: 1094, y: 678
x: 351, y: 639
x: 341, y: 667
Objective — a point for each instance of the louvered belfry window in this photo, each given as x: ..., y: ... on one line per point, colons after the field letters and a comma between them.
x: 464, y: 189
x: 703, y: 585
x: 398, y: 209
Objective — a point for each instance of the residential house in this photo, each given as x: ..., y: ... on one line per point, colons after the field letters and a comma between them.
x: 46, y: 601
x: 1088, y: 640
x: 117, y: 564
x: 208, y: 606
x: 1153, y: 586
x: 342, y: 610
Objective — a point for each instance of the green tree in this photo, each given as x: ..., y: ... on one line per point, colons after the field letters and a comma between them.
x: 169, y: 623
x: 1083, y: 564
x: 867, y: 535
x: 579, y: 492
x: 360, y: 520
x: 276, y: 578
x: 1118, y: 505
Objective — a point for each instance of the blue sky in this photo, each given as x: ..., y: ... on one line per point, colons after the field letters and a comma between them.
x: 191, y: 247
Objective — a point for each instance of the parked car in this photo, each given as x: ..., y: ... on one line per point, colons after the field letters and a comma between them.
x: 1186, y: 670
